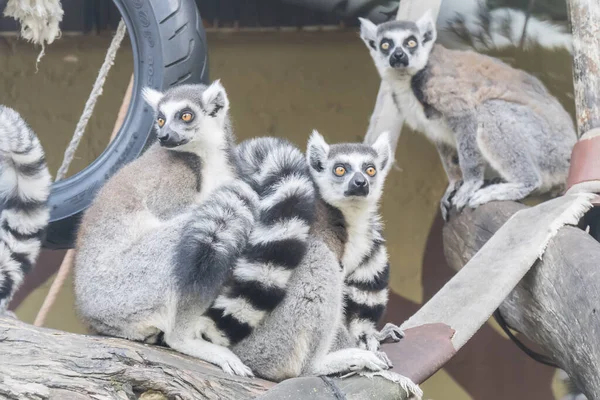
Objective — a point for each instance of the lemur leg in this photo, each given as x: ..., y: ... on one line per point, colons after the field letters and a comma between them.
x: 504, y: 147
x: 449, y: 158
x: 470, y: 159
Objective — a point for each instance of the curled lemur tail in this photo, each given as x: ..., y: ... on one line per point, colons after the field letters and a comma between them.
x: 24, y: 189
x: 279, y: 174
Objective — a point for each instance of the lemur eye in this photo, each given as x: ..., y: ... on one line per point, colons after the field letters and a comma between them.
x: 411, y: 43
x: 339, y: 170
x: 371, y: 171
x: 187, y: 116
x: 160, y: 122
x: 385, y: 45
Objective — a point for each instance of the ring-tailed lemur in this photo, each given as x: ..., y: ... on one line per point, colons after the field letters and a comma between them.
x: 478, y: 111
x: 162, y: 235
x: 255, y: 275
x: 350, y: 177
x: 307, y: 334
x: 24, y: 189
x: 278, y: 173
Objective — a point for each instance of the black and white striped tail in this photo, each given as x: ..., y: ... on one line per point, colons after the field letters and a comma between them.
x: 24, y: 188
x: 278, y: 172
x: 366, y: 289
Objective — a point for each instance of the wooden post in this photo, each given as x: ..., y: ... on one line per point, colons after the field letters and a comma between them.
x: 585, y: 23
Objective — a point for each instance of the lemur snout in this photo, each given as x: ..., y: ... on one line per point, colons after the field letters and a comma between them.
x: 358, y: 185
x: 398, y: 58
x: 170, y: 139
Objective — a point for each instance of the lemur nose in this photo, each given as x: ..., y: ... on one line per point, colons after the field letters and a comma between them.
x: 360, y: 181
x: 164, y: 137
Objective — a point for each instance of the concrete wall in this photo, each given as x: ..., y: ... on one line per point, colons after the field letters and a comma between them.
x: 286, y: 85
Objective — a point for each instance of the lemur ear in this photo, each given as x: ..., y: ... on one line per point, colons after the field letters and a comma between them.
x: 384, y: 150
x: 426, y: 25
x: 152, y: 97
x: 214, y: 99
x: 368, y: 32
x: 316, y: 151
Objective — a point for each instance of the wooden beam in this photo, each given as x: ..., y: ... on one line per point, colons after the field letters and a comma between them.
x: 556, y: 305
x: 585, y: 23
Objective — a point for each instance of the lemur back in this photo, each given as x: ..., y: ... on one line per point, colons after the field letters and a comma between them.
x: 487, y: 119
x: 24, y: 189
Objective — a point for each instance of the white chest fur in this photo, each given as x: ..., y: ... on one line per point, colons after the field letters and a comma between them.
x: 216, y: 171
x: 436, y: 129
x: 360, y: 239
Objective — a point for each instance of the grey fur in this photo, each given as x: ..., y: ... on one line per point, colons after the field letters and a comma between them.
x: 297, y: 337
x: 161, y: 237
x: 24, y: 189
x: 496, y: 120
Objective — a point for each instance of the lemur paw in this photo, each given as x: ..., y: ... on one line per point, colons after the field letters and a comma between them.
x: 446, y: 202
x: 464, y: 193
x: 232, y: 365
x: 384, y: 357
x: 390, y: 334
x: 364, y: 359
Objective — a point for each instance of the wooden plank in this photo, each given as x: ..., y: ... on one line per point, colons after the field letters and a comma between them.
x: 585, y: 22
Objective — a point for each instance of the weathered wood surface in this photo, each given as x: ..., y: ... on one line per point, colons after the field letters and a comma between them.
x: 557, y: 304
x: 585, y: 22
x: 40, y: 363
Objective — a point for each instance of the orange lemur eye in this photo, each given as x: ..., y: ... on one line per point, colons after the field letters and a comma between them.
x: 161, y: 122
x: 339, y: 170
x: 411, y: 43
x: 187, y: 116
x: 371, y: 171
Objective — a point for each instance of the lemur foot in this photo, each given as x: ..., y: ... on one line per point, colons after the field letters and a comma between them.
x: 235, y: 366
x: 465, y: 192
x: 384, y: 357
x: 446, y: 202
x: 390, y: 334
x: 359, y: 359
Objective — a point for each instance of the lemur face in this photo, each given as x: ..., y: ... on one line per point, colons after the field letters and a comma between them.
x: 349, y: 173
x: 402, y: 46
x: 188, y: 115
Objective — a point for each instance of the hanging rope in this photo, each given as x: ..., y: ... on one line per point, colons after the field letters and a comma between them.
x: 67, y: 263
x: 91, y: 102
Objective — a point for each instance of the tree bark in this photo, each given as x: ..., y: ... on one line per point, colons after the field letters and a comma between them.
x: 585, y: 22
x: 557, y: 304
x: 40, y: 363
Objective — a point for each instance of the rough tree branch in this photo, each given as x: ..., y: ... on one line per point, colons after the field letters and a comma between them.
x: 557, y: 304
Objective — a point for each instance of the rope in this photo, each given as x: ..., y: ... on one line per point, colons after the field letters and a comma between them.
x: 91, y: 102
x: 67, y: 263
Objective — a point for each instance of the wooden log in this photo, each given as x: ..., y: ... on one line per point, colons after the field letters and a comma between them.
x: 40, y: 363
x: 585, y: 22
x: 557, y: 304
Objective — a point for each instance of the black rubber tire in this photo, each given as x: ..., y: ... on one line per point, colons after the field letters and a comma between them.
x: 169, y: 48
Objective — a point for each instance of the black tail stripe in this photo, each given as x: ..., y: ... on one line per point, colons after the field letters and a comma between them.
x: 31, y: 169
x: 27, y: 206
x: 21, y: 258
x: 234, y: 329
x: 22, y: 236
x: 287, y: 253
x: 258, y: 295
x: 7, y: 287
x: 376, y: 284
x: 301, y: 207
x: 355, y: 311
